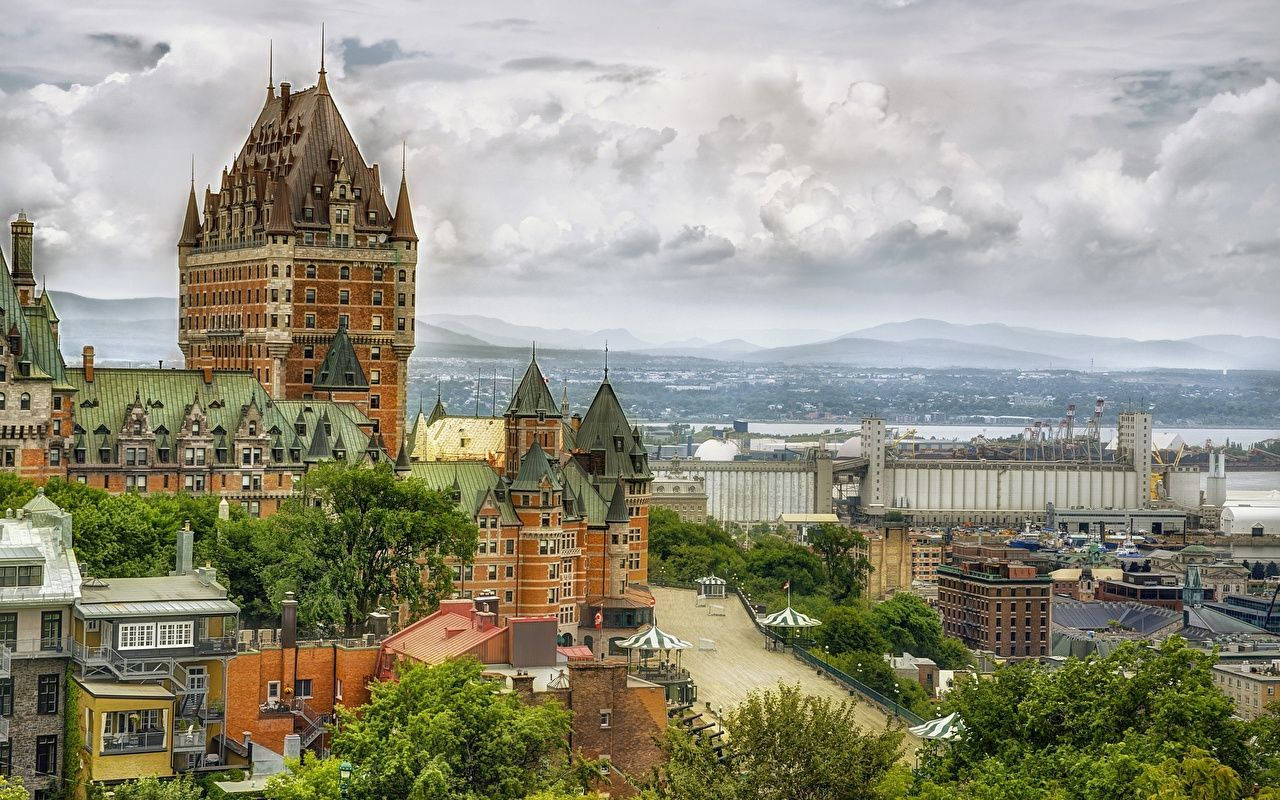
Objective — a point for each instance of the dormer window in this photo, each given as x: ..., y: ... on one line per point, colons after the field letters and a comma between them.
x: 308, y: 214
x: 340, y: 455
x: 253, y: 429
x: 355, y: 192
x: 195, y: 427
x: 317, y: 189
x: 373, y: 217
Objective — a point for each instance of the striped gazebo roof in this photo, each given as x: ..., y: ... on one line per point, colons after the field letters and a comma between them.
x: 789, y: 618
x: 710, y: 580
x: 945, y: 728
x: 653, y: 639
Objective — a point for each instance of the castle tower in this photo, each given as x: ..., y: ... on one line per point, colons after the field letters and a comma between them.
x: 296, y: 242
x: 532, y: 417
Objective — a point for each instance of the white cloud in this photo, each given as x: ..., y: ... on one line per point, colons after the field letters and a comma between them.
x: 1004, y: 168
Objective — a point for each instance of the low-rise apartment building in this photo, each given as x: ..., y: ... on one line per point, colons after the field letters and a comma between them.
x: 1252, y: 687
x: 39, y: 582
x: 150, y: 657
x: 1002, y: 607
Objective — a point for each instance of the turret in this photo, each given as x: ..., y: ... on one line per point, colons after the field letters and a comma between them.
x: 402, y: 229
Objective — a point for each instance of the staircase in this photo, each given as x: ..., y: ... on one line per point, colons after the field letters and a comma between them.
x: 313, y: 722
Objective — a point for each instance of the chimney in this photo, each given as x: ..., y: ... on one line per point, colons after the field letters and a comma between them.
x: 284, y: 98
x: 522, y: 684
x: 292, y: 743
x: 576, y: 421
x: 204, y: 363
x: 378, y: 622
x: 288, y: 620
x: 182, y: 563
x: 207, y: 575
x: 23, y: 278
x: 88, y: 363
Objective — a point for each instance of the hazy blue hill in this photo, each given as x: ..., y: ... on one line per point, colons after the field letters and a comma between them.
x: 923, y: 353
x: 506, y: 334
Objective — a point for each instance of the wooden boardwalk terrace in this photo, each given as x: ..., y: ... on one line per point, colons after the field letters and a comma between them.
x: 740, y: 662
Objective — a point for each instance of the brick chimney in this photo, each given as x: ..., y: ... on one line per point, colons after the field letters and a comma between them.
x: 87, y: 355
x: 288, y: 622
x: 522, y: 685
x: 204, y: 363
x: 285, y: 88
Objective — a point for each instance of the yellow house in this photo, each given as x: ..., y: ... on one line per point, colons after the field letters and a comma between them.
x: 127, y: 729
x: 151, y: 656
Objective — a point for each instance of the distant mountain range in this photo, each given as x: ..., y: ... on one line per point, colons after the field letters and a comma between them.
x: 144, y: 330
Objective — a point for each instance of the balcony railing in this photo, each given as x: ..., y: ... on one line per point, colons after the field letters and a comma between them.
x: 189, y: 739
x: 46, y: 647
x: 216, y: 644
x: 141, y: 742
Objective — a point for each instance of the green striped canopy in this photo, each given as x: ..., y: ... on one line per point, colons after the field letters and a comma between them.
x: 653, y: 639
x: 789, y: 618
x: 711, y: 580
x: 946, y: 728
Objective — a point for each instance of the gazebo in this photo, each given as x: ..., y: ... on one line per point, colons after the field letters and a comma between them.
x: 669, y: 674
x: 789, y: 619
x: 711, y: 586
x: 941, y: 729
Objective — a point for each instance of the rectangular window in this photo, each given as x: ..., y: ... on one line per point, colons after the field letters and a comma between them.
x: 375, y: 401
x: 47, y: 693
x: 273, y: 691
x: 508, y: 596
x: 376, y: 322
x: 375, y: 376
x: 377, y: 298
x: 137, y: 635
x: 606, y: 717
x: 302, y: 688
x: 311, y: 320
x: 311, y: 295
x: 9, y: 627
x: 46, y: 755
x: 375, y: 353
x: 174, y: 634
x: 344, y: 298
x: 6, y: 696
x: 51, y: 630
x: 6, y: 758
x: 337, y: 692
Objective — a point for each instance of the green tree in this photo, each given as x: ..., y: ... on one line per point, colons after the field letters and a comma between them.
x: 356, y: 538
x: 442, y: 732
x: 690, y: 771
x: 848, y: 629
x: 1094, y: 728
x: 909, y: 625
x: 182, y: 787
x: 771, y: 562
x: 1195, y: 776
x: 12, y: 788
x: 839, y: 548
x: 787, y: 744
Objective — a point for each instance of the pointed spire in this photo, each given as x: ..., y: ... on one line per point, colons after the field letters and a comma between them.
x: 402, y: 228
x: 606, y: 360
x: 322, y: 85
x: 271, y: 78
x: 191, y: 222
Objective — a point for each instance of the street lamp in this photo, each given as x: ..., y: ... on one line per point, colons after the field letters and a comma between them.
x: 344, y: 774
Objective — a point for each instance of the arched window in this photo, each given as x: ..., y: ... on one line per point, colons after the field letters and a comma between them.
x: 24, y: 402
x: 345, y: 273
x: 275, y: 270
x: 377, y: 273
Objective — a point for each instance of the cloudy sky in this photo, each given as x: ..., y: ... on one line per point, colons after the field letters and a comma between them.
x: 704, y: 168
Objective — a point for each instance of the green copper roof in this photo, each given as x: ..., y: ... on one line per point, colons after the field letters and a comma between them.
x: 532, y: 396
x: 605, y: 426
x: 590, y: 503
x: 168, y: 395
x: 534, y: 466
x: 42, y: 346
x: 341, y: 370
x: 474, y: 480
x: 618, y: 511
x: 345, y: 421
x: 12, y: 318
x: 437, y: 411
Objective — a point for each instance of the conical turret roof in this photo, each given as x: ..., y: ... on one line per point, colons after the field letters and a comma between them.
x: 532, y: 395
x: 534, y: 466
x: 281, y: 222
x: 402, y: 229
x: 341, y: 370
x: 191, y: 222
x: 606, y: 427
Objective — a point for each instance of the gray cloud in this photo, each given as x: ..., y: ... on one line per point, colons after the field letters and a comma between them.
x: 504, y: 24
x: 868, y: 148
x: 130, y: 52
